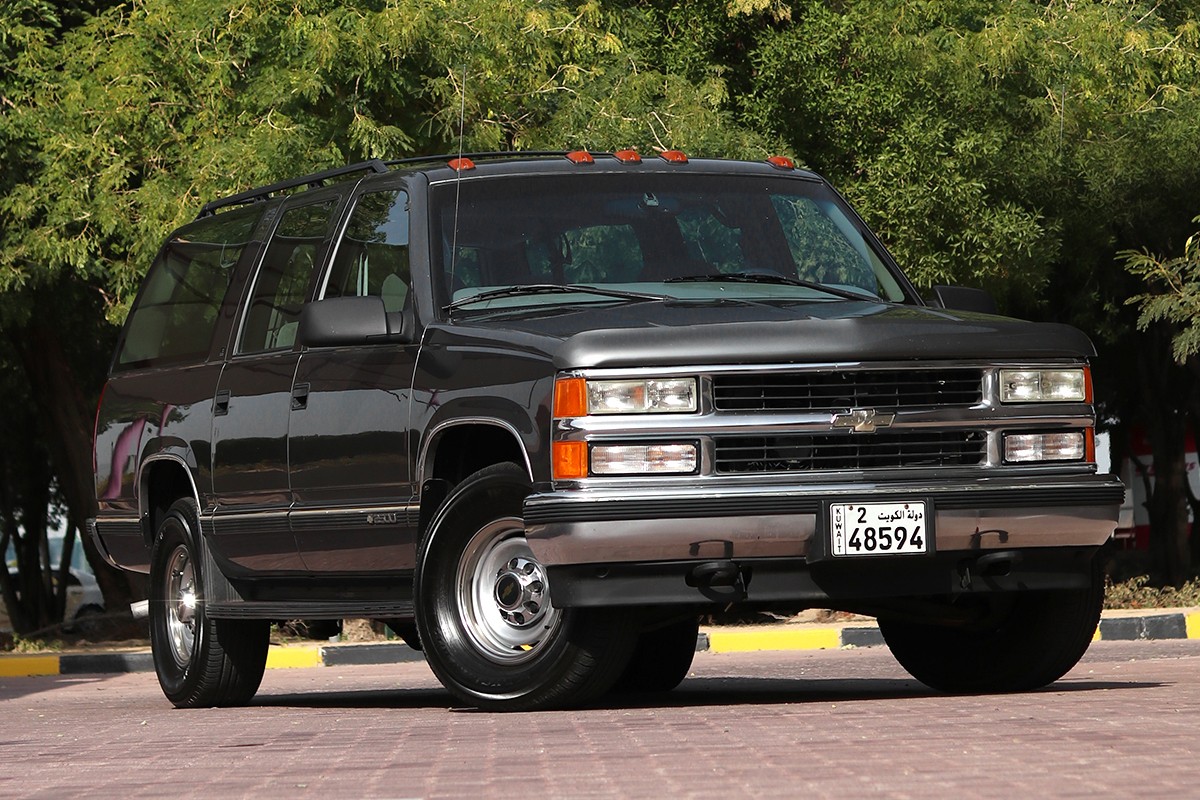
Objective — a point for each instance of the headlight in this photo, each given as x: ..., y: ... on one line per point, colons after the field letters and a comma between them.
x: 576, y: 397
x: 653, y: 459
x: 1044, y: 386
x: 1022, y: 448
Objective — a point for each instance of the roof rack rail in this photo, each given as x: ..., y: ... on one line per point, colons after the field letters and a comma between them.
x: 484, y: 154
x: 312, y: 181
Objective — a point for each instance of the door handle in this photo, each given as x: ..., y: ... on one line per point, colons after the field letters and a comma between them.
x: 221, y: 403
x: 300, y: 397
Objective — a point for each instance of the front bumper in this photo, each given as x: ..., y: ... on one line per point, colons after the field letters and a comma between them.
x: 599, y: 527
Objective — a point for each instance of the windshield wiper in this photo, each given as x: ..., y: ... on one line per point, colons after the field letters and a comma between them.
x: 776, y: 278
x: 548, y: 288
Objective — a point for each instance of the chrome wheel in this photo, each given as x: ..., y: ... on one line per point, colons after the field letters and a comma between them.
x: 503, y: 595
x: 180, y: 602
x: 199, y: 661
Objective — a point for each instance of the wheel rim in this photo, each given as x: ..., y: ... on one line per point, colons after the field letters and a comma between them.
x: 180, y: 601
x: 503, y: 595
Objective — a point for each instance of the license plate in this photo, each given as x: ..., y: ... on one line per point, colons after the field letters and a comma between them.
x: 877, y: 529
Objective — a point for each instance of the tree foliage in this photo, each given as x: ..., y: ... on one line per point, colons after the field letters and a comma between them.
x: 1174, y: 293
x: 1018, y: 145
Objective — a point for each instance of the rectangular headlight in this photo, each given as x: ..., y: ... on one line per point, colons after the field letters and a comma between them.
x: 1023, y: 448
x: 652, y: 396
x: 1043, y: 386
x: 651, y: 459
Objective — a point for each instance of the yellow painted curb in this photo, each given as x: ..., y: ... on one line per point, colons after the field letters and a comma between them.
x: 747, y: 640
x: 293, y: 657
x: 1192, y: 621
x: 26, y: 666
x: 1096, y: 634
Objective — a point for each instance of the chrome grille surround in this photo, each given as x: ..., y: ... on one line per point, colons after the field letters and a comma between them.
x: 909, y: 439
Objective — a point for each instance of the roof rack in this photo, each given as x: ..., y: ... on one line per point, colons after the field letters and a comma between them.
x: 311, y: 181
x: 485, y: 154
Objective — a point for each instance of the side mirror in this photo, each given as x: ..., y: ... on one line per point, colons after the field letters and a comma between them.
x: 340, y: 321
x: 962, y: 298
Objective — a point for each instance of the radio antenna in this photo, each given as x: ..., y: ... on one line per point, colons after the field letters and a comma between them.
x: 462, y: 122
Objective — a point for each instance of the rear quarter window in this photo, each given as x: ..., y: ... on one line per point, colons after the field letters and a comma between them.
x: 174, y: 316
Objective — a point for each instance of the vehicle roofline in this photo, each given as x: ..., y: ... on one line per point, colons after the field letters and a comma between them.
x: 491, y: 163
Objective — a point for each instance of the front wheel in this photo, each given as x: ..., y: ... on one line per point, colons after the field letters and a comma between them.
x: 1024, y: 641
x: 661, y: 659
x: 484, y: 613
x: 200, y: 661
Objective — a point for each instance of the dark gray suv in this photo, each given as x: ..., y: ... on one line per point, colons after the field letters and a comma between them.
x: 542, y: 412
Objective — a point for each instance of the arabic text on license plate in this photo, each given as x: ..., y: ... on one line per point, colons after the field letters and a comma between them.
x: 877, y: 529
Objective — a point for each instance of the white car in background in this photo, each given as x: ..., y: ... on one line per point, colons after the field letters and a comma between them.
x: 84, y: 599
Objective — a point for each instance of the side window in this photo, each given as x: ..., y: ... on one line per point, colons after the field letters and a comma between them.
x: 282, y: 283
x: 176, y: 313
x: 372, y: 257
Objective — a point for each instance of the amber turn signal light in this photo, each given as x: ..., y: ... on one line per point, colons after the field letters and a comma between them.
x: 570, y: 398
x: 569, y: 460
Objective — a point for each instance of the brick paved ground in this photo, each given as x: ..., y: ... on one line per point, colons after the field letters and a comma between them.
x: 839, y: 724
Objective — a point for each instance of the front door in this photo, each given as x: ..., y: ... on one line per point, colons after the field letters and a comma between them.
x: 254, y: 396
x: 348, y: 436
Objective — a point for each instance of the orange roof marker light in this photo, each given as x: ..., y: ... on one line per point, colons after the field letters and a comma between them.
x: 781, y: 162
x: 580, y: 157
x: 628, y: 156
x: 460, y: 164
x: 673, y: 156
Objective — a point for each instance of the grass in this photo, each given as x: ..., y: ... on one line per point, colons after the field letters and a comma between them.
x: 1136, y: 592
x: 23, y: 645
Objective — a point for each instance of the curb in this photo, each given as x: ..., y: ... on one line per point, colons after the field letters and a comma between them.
x: 1125, y: 627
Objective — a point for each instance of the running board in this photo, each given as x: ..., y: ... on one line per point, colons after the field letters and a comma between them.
x: 319, y: 609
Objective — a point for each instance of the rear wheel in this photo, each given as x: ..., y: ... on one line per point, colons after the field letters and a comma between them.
x: 486, y: 621
x: 661, y: 659
x: 200, y: 661
x: 1024, y: 641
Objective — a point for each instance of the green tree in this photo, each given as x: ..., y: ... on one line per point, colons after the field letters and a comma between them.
x: 119, y: 120
x: 1018, y: 146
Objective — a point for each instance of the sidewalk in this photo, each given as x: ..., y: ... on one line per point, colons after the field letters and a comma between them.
x: 1119, y: 625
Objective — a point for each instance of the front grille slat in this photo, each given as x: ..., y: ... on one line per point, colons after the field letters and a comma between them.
x: 847, y: 451
x: 840, y: 391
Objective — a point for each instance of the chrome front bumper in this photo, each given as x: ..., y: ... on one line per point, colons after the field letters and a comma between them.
x: 589, y: 526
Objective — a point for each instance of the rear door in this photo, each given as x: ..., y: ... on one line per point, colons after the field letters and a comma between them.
x: 254, y: 397
x: 348, y: 436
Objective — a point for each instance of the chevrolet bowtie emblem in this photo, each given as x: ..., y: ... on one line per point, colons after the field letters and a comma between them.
x: 863, y: 420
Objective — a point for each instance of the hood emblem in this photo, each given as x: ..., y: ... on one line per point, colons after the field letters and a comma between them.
x: 863, y: 420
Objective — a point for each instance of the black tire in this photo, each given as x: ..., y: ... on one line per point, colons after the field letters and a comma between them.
x: 661, y: 658
x: 518, y: 653
x: 201, y: 662
x: 1031, y: 640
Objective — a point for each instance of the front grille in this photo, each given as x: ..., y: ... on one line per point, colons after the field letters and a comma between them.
x: 841, y: 391
x: 847, y: 451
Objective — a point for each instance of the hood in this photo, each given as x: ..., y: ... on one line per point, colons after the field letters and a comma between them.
x: 667, y: 333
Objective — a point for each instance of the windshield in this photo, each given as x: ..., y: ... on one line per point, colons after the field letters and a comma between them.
x: 686, y: 237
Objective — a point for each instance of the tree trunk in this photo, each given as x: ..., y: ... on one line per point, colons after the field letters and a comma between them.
x: 69, y: 438
x: 1164, y: 389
